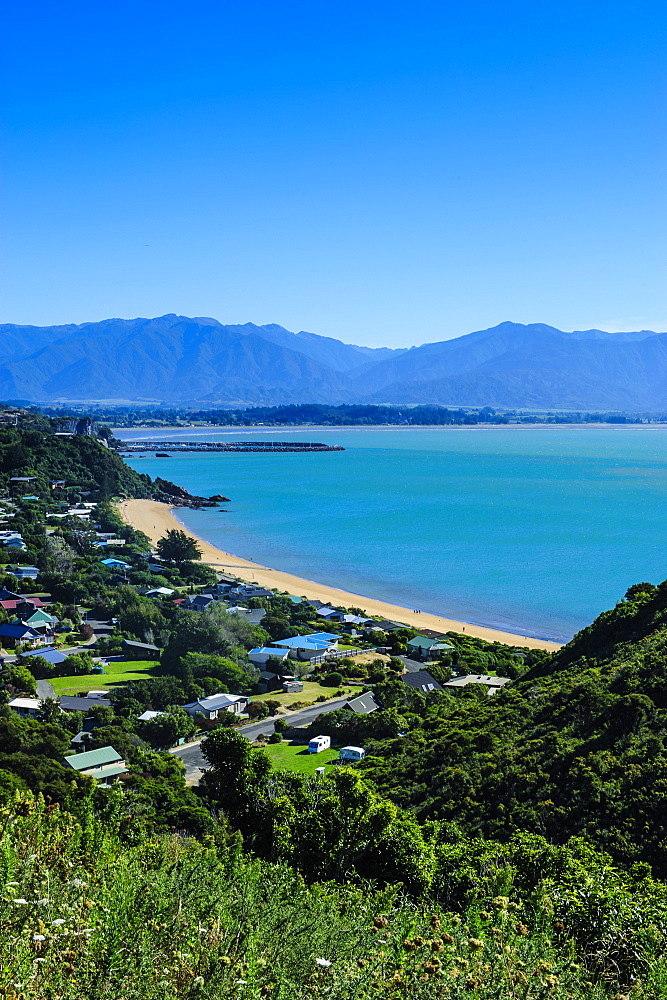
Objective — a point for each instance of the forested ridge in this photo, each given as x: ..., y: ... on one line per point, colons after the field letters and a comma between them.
x: 504, y: 846
x: 576, y: 746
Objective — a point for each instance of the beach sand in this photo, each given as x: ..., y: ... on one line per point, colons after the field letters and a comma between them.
x: 155, y: 519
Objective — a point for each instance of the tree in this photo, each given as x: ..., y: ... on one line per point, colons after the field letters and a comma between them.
x: 21, y: 679
x: 165, y: 730
x: 57, y: 558
x: 178, y: 547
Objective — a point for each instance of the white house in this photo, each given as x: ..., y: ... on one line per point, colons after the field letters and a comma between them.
x: 25, y: 706
x: 211, y: 707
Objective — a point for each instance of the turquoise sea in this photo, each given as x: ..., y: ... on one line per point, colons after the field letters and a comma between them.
x: 529, y: 529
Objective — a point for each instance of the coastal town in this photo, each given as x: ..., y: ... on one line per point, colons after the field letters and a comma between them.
x: 132, y: 646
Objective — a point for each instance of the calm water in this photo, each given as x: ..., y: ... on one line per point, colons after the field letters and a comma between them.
x: 528, y: 529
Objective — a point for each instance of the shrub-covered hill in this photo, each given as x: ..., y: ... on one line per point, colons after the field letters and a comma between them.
x: 577, y: 746
x: 82, y: 461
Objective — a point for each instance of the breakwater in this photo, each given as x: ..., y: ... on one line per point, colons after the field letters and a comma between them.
x: 235, y: 446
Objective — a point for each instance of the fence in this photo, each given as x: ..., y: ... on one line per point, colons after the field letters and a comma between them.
x: 338, y: 654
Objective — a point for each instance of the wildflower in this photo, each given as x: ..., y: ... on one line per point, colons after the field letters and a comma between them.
x: 475, y: 943
x: 79, y: 883
x: 522, y: 929
x: 12, y: 883
x: 41, y: 960
x: 21, y: 902
x: 38, y: 937
x: 240, y: 982
x: 324, y: 962
x: 42, y: 902
x: 57, y: 923
x: 198, y: 981
x: 380, y: 921
x: 447, y: 938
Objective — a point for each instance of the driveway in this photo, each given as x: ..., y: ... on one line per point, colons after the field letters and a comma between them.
x: 195, y: 762
x: 45, y: 690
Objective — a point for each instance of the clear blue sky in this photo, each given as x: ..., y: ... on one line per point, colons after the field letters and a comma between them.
x: 385, y: 173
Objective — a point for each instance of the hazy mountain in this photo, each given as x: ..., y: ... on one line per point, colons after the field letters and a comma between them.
x: 175, y: 359
x: 530, y: 366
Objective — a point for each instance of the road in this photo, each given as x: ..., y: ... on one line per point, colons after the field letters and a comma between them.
x: 194, y: 760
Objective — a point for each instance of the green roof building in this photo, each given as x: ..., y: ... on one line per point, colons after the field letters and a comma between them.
x: 103, y: 764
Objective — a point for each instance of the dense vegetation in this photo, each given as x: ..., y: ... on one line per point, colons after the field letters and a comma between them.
x: 345, y: 415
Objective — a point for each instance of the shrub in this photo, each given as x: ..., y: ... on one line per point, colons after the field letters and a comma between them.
x: 275, y: 738
x: 334, y: 679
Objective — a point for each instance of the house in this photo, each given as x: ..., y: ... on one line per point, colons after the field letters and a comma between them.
x: 292, y: 685
x: 148, y: 715
x: 11, y: 635
x: 244, y: 591
x: 24, y: 572
x: 52, y: 655
x: 492, y: 684
x: 261, y: 654
x: 211, y: 707
x: 104, y: 764
x: 422, y: 681
x: 22, y: 607
x: 333, y: 615
x: 17, y: 544
x: 159, y: 592
x: 41, y: 620
x: 268, y: 681
x: 199, y: 602
x: 140, y: 650
x: 362, y: 704
x: 74, y: 703
x: 252, y: 615
x: 57, y: 484
x: 112, y: 563
x: 8, y: 595
x: 305, y: 647
x: 384, y: 625
x: 25, y: 706
x: 423, y: 647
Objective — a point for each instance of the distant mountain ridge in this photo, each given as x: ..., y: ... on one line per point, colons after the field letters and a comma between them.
x: 180, y: 360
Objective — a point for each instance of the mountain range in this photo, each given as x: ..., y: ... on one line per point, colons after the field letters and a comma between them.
x: 178, y: 360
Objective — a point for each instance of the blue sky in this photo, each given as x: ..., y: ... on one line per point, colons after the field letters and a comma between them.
x: 384, y: 173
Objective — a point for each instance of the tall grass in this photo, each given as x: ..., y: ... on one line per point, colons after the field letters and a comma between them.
x: 86, y: 918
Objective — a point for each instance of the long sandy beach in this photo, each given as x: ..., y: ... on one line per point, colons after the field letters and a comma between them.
x: 155, y: 519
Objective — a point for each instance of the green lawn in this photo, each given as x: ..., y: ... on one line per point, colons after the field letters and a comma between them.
x: 295, y: 757
x: 116, y: 672
x: 311, y: 691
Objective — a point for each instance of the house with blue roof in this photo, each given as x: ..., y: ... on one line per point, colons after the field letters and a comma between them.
x: 305, y: 647
x: 261, y: 654
x: 51, y: 655
x: 115, y: 563
x: 11, y: 635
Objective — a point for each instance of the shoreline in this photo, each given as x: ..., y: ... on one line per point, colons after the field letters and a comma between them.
x: 155, y: 518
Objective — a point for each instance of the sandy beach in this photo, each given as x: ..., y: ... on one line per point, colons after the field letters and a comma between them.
x: 155, y: 519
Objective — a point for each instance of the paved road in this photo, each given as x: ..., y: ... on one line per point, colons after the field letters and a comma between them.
x: 194, y: 760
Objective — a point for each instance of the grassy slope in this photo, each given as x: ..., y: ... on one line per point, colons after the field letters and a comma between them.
x: 295, y: 757
x: 115, y: 672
